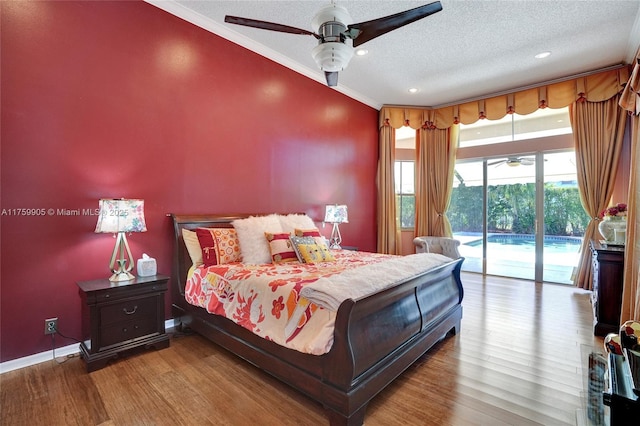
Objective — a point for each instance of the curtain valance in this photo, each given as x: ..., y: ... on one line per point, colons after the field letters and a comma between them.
x: 594, y: 88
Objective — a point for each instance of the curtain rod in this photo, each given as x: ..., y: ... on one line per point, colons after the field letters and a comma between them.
x: 517, y: 89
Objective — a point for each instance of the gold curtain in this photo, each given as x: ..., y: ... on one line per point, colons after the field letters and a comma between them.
x: 435, y: 165
x: 598, y: 130
x: 593, y: 88
x: 630, y: 100
x: 388, y: 229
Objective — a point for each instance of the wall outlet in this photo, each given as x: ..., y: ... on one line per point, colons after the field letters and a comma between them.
x: 50, y: 325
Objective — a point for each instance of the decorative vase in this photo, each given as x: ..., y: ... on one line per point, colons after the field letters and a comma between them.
x: 608, y: 227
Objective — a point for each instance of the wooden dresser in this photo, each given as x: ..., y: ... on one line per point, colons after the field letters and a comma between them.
x: 608, y: 270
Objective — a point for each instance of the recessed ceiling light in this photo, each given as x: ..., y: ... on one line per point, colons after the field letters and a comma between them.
x: 361, y: 52
x: 543, y: 55
x: 413, y: 90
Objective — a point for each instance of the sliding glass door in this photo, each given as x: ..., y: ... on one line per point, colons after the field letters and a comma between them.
x: 564, y: 218
x: 467, y: 211
x: 511, y: 217
x: 519, y: 216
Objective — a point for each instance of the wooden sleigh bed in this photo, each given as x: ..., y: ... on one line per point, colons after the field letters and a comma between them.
x: 375, y: 338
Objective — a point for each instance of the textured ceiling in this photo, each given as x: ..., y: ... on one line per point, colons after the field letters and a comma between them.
x: 472, y: 48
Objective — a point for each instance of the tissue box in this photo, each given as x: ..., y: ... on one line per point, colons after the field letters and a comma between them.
x: 147, y: 266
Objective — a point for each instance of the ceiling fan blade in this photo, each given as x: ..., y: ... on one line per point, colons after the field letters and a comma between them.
x: 496, y: 163
x: 264, y: 25
x: 332, y: 78
x: 366, y: 31
x: 526, y: 161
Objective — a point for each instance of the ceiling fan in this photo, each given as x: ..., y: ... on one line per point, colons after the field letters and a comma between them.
x: 332, y: 28
x: 514, y: 162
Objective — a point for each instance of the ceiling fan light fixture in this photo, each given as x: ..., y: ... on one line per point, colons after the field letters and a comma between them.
x: 331, y: 13
x: 337, y: 35
x: 332, y: 56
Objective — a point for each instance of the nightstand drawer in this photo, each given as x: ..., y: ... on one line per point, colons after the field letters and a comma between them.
x: 130, y: 310
x: 122, y: 333
x: 116, y: 293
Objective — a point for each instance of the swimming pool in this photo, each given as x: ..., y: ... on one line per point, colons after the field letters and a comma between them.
x: 513, y: 255
x: 526, y: 242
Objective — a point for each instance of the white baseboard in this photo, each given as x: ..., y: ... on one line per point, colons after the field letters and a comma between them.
x: 26, y: 361
x: 62, y: 352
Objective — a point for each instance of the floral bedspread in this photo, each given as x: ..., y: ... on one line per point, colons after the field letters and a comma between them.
x: 266, y: 300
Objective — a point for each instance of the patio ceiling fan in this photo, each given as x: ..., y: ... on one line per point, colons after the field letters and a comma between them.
x: 332, y: 28
x: 514, y: 162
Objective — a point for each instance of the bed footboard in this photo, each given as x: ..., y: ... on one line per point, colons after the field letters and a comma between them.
x: 379, y: 336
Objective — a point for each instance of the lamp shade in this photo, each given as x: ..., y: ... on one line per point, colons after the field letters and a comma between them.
x: 332, y: 56
x: 329, y: 14
x: 120, y: 215
x: 336, y: 213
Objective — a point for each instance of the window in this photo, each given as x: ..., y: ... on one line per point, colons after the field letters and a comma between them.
x: 405, y: 193
x: 514, y: 127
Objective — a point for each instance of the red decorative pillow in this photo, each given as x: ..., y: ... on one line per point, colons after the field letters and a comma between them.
x: 281, y: 248
x: 313, y: 232
x: 219, y: 245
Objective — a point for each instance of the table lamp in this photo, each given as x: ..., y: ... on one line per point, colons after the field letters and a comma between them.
x: 335, y: 214
x: 120, y: 216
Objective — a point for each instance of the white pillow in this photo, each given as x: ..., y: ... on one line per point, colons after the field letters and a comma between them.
x: 193, y: 246
x: 292, y: 222
x: 253, y: 244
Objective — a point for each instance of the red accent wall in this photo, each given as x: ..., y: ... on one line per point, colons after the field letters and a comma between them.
x: 121, y: 99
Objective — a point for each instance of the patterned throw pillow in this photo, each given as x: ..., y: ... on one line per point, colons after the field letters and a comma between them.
x: 312, y: 232
x: 228, y: 247
x: 314, y: 253
x: 308, y: 251
x: 281, y: 248
x: 219, y: 245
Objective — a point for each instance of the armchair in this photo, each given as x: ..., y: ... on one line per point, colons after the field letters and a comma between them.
x: 443, y: 245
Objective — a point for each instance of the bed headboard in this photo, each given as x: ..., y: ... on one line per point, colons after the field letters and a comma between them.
x: 182, y: 260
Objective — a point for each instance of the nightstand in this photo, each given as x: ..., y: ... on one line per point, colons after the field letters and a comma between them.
x: 119, y: 316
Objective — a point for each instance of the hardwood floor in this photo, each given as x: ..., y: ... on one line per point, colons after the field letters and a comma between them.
x: 518, y: 360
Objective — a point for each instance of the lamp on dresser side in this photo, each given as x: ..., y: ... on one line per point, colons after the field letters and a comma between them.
x: 336, y: 214
x: 121, y: 216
